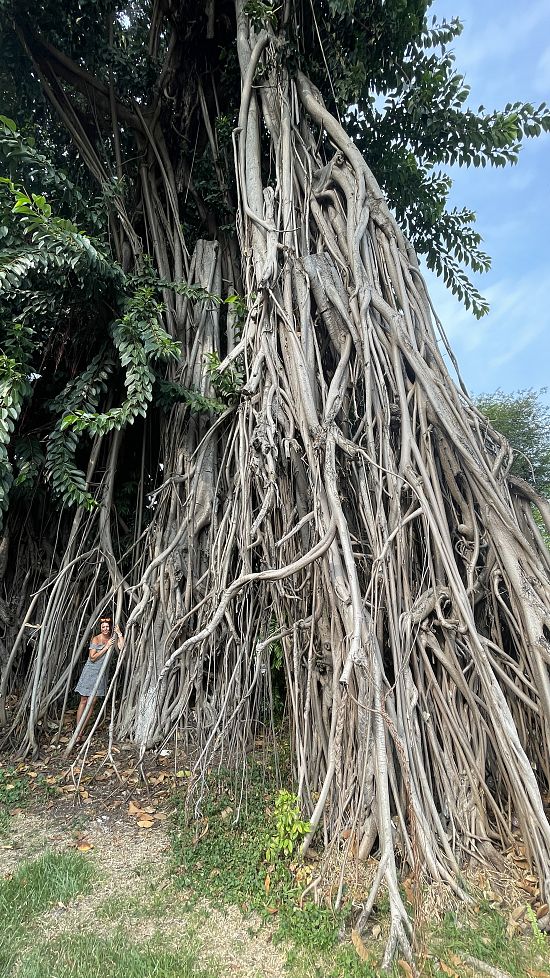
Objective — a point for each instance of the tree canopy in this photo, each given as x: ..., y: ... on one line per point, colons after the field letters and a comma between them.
x: 386, y: 67
x: 408, y: 115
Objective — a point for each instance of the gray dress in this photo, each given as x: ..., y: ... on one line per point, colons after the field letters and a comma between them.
x: 89, y: 674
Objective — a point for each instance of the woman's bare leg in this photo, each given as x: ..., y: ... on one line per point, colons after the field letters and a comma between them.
x: 80, y: 711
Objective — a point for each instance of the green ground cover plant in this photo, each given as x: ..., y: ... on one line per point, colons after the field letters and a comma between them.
x: 237, y: 852
x: 13, y: 794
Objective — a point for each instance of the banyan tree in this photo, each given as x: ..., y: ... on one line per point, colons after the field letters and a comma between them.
x: 228, y: 416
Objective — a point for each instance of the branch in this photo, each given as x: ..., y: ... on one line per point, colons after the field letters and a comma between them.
x: 79, y: 77
x: 522, y: 488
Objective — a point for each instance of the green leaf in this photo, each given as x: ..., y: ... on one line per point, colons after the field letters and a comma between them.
x: 8, y: 123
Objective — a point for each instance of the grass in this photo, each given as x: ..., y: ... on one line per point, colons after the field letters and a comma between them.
x: 482, y: 935
x: 220, y: 860
x: 88, y: 956
x: 151, y: 905
x: 50, y: 879
x: 38, y: 885
x: 57, y: 878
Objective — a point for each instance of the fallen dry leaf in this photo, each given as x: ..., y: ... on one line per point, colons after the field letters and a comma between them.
x: 530, y: 888
x: 454, y: 959
x: 145, y: 823
x: 85, y: 846
x: 160, y: 816
x: 408, y: 889
x: 267, y: 883
x: 405, y: 966
x: 447, y: 970
x: 201, y: 835
x: 134, y: 809
x: 359, y: 946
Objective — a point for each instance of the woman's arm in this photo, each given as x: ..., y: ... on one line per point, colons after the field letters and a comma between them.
x: 96, y: 653
x: 120, y: 638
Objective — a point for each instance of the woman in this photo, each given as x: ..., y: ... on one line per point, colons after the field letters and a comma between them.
x: 99, y: 646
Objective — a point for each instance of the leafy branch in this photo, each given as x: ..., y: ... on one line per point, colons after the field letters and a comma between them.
x: 66, y: 478
x: 226, y: 383
x: 139, y: 340
x: 290, y: 828
x: 169, y: 393
x: 14, y: 388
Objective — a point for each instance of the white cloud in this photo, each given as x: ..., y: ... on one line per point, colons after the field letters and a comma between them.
x: 522, y: 341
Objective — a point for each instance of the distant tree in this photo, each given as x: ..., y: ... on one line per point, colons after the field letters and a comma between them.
x: 524, y: 420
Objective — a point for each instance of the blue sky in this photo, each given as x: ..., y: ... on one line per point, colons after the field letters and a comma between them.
x: 504, y: 52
